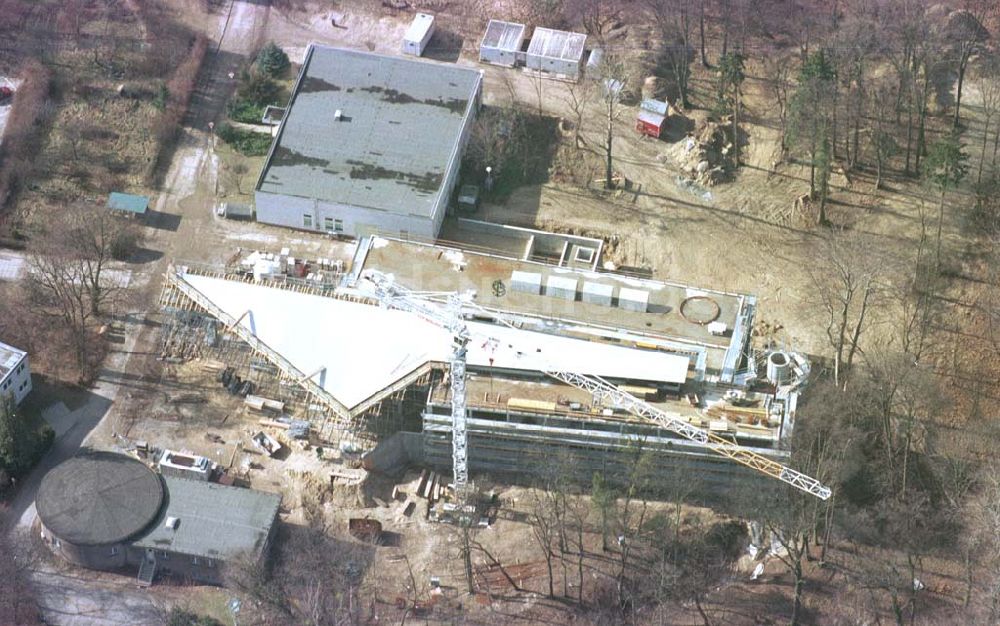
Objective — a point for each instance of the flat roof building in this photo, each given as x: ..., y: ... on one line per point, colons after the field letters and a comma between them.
x: 15, y: 372
x: 107, y: 511
x: 368, y: 143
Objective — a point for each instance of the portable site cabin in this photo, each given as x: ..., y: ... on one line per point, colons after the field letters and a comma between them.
x: 418, y: 34
x: 502, y: 43
x: 128, y: 204
x: 556, y: 52
x: 652, y: 118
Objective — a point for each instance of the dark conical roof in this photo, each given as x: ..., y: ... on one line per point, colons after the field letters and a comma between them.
x: 99, y: 498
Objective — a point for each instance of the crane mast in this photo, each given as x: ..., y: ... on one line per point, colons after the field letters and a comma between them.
x: 450, y: 317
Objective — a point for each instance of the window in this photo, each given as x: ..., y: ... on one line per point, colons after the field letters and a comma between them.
x: 338, y: 226
x: 20, y: 368
x: 307, y: 221
x: 211, y: 563
x: 114, y: 550
x: 6, y: 384
x: 194, y: 560
x: 327, y: 224
x: 404, y: 234
x: 164, y: 556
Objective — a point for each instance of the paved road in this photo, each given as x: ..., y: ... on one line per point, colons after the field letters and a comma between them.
x: 78, y: 599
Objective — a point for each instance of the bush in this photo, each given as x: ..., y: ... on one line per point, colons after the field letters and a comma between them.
x: 180, y: 617
x: 247, y: 143
x: 21, y: 443
x: 272, y: 60
x: 244, y: 111
x: 124, y: 244
x: 20, y: 138
x: 179, y: 90
x: 258, y: 88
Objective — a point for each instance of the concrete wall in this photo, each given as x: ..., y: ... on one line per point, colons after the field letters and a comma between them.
x: 18, y: 381
x: 289, y: 211
x: 118, y: 556
x: 102, y: 557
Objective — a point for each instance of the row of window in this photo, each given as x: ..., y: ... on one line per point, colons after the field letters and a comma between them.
x: 330, y: 224
x: 6, y: 385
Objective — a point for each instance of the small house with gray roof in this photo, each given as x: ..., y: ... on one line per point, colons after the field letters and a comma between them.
x: 368, y: 144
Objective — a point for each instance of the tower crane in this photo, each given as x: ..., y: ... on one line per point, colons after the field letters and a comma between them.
x: 450, y: 317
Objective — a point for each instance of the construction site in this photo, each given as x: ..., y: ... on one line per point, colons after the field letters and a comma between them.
x: 403, y: 353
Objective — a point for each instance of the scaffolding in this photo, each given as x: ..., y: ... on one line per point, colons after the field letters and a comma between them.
x: 197, y: 327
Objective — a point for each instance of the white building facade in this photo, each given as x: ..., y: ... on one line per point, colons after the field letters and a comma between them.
x: 15, y: 373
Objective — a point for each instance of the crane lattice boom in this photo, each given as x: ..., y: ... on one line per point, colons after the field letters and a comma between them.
x: 606, y: 391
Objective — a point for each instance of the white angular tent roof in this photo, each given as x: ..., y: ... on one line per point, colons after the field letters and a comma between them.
x: 360, y: 349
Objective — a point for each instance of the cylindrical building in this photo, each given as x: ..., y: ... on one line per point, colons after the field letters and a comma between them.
x: 92, y: 505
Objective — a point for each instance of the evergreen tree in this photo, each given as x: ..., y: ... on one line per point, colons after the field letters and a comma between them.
x: 272, y: 60
x: 811, y: 121
x: 14, y: 454
x: 944, y: 168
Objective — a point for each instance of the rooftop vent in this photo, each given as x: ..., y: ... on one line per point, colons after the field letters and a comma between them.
x: 337, y: 115
x: 172, y: 523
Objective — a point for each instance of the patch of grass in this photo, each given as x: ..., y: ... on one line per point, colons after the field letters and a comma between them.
x: 247, y: 143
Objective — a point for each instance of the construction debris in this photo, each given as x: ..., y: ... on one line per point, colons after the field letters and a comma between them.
x: 702, y: 154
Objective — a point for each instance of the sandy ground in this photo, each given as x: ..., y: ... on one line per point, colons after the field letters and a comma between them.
x: 743, y: 237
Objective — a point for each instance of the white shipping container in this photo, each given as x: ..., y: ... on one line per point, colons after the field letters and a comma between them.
x: 526, y: 282
x: 633, y: 299
x: 561, y: 287
x: 597, y: 293
x: 418, y: 34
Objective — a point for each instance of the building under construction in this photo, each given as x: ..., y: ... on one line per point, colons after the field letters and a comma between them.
x: 317, y: 335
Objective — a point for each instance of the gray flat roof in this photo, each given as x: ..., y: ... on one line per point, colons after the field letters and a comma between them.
x: 9, y: 358
x: 214, y: 521
x: 503, y: 35
x: 399, y: 131
x: 557, y: 44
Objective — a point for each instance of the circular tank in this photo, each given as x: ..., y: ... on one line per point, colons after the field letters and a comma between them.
x: 779, y: 368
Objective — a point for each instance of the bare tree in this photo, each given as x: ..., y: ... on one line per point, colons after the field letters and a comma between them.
x: 965, y: 32
x: 543, y: 530
x: 847, y: 278
x: 93, y: 236
x: 579, y: 97
x: 673, y: 18
x: 612, y: 80
x: 57, y: 286
x: 778, y: 74
x: 982, y: 519
x: 988, y: 81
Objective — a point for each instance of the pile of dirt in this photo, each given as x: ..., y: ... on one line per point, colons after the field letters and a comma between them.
x: 702, y: 154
